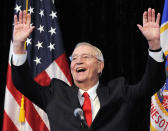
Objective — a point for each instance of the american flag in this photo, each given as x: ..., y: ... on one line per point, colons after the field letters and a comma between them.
x: 46, y: 58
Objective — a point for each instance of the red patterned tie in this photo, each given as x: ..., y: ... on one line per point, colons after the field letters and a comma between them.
x: 87, y: 109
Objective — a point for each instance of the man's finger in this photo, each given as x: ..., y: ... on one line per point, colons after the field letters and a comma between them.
x: 140, y: 27
x: 31, y: 29
x: 21, y: 17
x: 158, y: 18
x: 28, y: 19
x: 24, y: 17
x: 149, y: 15
x: 15, y: 20
x: 145, y: 18
x: 153, y: 15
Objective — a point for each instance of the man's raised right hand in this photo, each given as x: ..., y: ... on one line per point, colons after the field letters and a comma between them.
x: 21, y: 32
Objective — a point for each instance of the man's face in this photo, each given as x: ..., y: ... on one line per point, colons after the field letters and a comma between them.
x: 85, y: 67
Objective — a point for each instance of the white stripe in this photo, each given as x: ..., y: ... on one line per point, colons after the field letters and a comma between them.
x: 25, y: 126
x: 164, y: 40
x: 54, y: 71
x: 12, y: 109
x: 43, y: 115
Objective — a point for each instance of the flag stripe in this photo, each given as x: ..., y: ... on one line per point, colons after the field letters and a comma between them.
x: 43, y: 79
x: 43, y: 115
x: 8, y: 124
x: 54, y: 71
x: 15, y: 93
x: 12, y: 104
x: 38, y: 123
x: 30, y: 110
x: 63, y: 64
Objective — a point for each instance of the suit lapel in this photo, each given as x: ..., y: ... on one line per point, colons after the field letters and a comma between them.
x: 103, y: 95
x: 74, y: 97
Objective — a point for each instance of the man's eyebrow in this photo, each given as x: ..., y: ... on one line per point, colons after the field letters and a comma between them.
x: 80, y: 54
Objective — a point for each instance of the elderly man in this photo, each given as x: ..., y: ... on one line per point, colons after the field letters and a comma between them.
x: 105, y: 108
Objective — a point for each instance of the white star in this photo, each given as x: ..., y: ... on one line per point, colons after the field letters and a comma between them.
x: 18, y: 8
x: 52, y: 31
x: 41, y: 28
x: 37, y: 60
x: 39, y: 45
x: 31, y: 10
x: 41, y: 13
x: 53, y: 14
x: 28, y: 41
x: 51, y: 46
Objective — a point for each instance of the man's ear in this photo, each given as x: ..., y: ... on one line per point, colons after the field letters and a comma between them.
x: 100, y: 67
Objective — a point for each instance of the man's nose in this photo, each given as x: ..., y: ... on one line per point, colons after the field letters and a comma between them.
x: 79, y: 60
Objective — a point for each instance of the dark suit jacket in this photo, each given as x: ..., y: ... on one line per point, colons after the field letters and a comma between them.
x: 119, y: 102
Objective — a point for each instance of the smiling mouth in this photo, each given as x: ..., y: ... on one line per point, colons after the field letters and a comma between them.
x: 80, y: 70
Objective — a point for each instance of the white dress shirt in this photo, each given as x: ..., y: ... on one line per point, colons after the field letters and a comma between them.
x: 95, y: 103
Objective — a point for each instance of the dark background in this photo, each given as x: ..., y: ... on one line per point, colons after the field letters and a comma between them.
x: 108, y: 24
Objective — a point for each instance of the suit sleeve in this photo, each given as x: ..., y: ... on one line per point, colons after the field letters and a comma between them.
x: 152, y: 80
x: 26, y: 85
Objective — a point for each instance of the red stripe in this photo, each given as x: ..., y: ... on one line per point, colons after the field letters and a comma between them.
x: 32, y: 116
x: 14, y: 92
x: 64, y: 66
x: 8, y: 124
x: 43, y: 79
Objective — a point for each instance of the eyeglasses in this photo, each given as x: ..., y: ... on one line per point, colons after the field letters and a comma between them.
x: 84, y: 57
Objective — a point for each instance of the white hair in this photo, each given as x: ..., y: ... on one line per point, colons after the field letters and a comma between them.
x: 99, y: 54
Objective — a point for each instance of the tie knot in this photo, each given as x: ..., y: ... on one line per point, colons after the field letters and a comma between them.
x: 86, y: 95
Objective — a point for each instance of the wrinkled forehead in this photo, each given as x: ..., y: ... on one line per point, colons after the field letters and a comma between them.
x: 84, y: 49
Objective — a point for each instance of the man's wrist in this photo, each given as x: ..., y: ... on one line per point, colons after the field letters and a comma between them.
x: 154, y: 44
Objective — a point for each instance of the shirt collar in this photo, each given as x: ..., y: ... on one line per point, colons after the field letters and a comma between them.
x: 92, y: 91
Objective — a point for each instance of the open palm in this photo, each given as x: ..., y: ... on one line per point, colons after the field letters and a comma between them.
x: 22, y: 28
x: 151, y: 31
x: 21, y: 32
x: 151, y: 28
